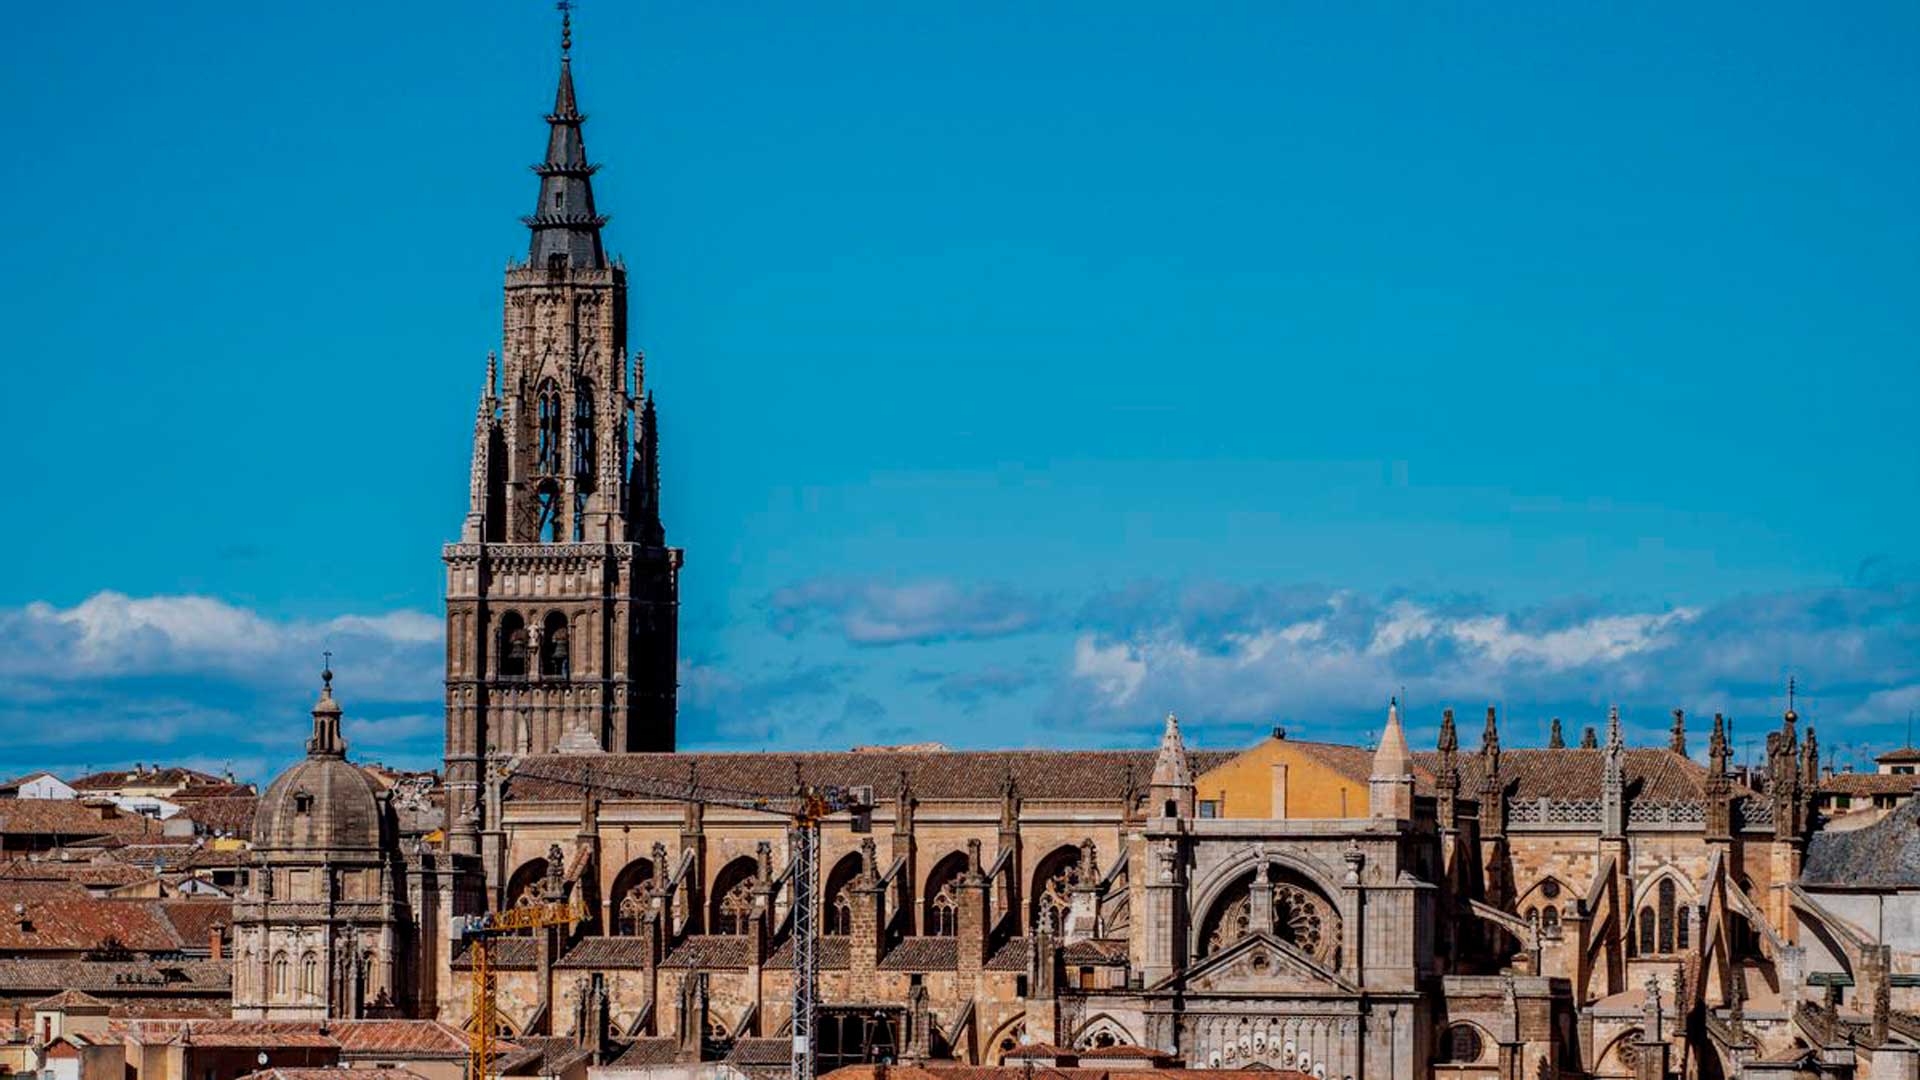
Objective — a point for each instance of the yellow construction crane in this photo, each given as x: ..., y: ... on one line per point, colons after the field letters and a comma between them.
x: 480, y: 931
x: 804, y: 809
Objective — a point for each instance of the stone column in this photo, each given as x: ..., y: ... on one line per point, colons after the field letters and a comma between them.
x: 971, y: 921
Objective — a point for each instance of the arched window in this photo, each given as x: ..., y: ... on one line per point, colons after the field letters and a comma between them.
x: 546, y: 442
x: 1666, y: 914
x: 632, y: 893
x: 1300, y: 916
x: 280, y: 974
x: 1680, y: 928
x: 1646, y: 930
x: 838, y: 919
x: 550, y: 506
x: 309, y: 974
x: 943, y: 896
x: 1461, y: 1045
x: 1053, y: 884
x: 513, y: 646
x: 556, y: 660
x: 733, y: 897
x: 583, y: 440
x: 1550, y: 920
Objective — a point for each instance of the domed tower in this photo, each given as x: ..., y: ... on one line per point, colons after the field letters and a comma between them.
x: 320, y: 931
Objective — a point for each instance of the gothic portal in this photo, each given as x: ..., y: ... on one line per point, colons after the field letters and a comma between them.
x: 562, y: 596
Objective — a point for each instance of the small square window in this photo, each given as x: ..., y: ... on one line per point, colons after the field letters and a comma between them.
x: 1209, y: 808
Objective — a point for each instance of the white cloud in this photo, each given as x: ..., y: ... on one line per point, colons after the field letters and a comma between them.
x: 918, y: 612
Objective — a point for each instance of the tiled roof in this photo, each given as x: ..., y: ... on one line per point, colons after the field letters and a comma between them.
x: 1868, y: 784
x: 96, y: 874
x: 1883, y: 854
x: 227, y: 815
x: 708, y: 951
x: 757, y: 1051
x: 1906, y: 755
x: 402, y: 1037
x: 644, y: 1052
x: 69, y: 999
x: 71, y: 925
x: 130, y: 977
x: 605, y: 952
x: 938, y: 774
x: 386, y: 1073
x: 1096, y: 951
x: 834, y: 953
x: 1049, y: 1072
x: 511, y: 953
x: 195, y: 795
x: 923, y: 954
x: 194, y: 920
x: 111, y: 781
x: 1011, y: 956
x: 69, y: 818
x: 1655, y: 774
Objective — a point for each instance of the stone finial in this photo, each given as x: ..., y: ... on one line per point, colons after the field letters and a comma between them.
x: 763, y: 854
x: 1650, y: 1014
x: 1589, y: 739
x: 869, y: 861
x: 659, y: 866
x: 1490, y: 736
x: 1392, y: 759
x: 1355, y: 860
x: 1089, y: 862
x: 973, y: 859
x: 1170, y: 768
x: 556, y: 881
x: 1555, y: 740
x: 1677, y: 742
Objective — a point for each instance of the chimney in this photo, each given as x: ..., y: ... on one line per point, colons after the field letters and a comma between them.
x: 216, y: 943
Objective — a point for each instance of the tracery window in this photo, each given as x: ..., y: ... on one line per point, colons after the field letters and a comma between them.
x: 546, y: 442
x: 1667, y: 915
x: 583, y: 441
x: 309, y: 974
x: 1550, y: 919
x: 1055, y: 901
x: 1461, y: 1045
x: 1647, y: 930
x: 839, y: 921
x: 1680, y: 927
x: 734, y: 914
x: 280, y: 971
x: 632, y: 908
x: 1301, y: 917
x: 943, y: 913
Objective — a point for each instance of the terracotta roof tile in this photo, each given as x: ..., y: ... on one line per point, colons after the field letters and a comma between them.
x: 604, y: 952
x: 114, y: 780
x: 644, y: 1052
x: 1868, y: 784
x: 1011, y: 956
x: 74, y: 925
x: 923, y: 954
x: 938, y: 774
x: 195, y: 920
x: 95, y: 874
x: 73, y: 820
x: 19, y: 977
x: 708, y: 951
x: 834, y: 953
x: 69, y: 999
x: 409, y: 1037
x: 514, y: 953
x: 228, y: 815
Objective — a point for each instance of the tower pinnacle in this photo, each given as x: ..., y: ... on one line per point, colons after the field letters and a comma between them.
x: 566, y: 228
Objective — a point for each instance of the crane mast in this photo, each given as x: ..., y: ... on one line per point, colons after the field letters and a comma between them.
x: 804, y: 810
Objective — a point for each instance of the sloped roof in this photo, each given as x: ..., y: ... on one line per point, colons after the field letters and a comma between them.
x: 19, y: 976
x: 226, y: 815
x: 1884, y: 854
x: 118, y: 778
x: 708, y: 951
x: 940, y: 774
x: 70, y: 925
x: 69, y: 999
x: 96, y: 874
x: 1868, y: 784
x: 195, y: 920
x: 74, y: 820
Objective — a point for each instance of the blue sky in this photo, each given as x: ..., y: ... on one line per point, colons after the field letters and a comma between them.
x: 1025, y: 372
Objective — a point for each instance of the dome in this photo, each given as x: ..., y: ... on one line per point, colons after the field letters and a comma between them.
x: 324, y: 802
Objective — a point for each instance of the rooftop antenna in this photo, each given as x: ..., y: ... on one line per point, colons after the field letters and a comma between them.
x: 1789, y: 693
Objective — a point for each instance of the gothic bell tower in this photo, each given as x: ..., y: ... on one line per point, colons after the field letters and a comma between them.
x: 562, y: 596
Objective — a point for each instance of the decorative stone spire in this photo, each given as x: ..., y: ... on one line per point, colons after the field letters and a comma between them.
x: 645, y: 482
x: 1447, y: 782
x: 1556, y: 741
x: 1719, y: 785
x: 1678, y: 742
x: 1589, y: 740
x: 1613, y: 780
x: 1171, y: 786
x: 326, y: 740
x: 566, y: 230
x: 1493, y: 786
x: 1390, y: 788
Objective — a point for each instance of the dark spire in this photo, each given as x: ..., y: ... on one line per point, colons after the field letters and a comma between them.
x: 1589, y: 740
x: 1678, y: 743
x: 1717, y: 749
x: 1556, y: 741
x: 566, y: 230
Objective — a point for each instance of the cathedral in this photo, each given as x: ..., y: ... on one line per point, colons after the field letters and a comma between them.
x: 1488, y: 912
